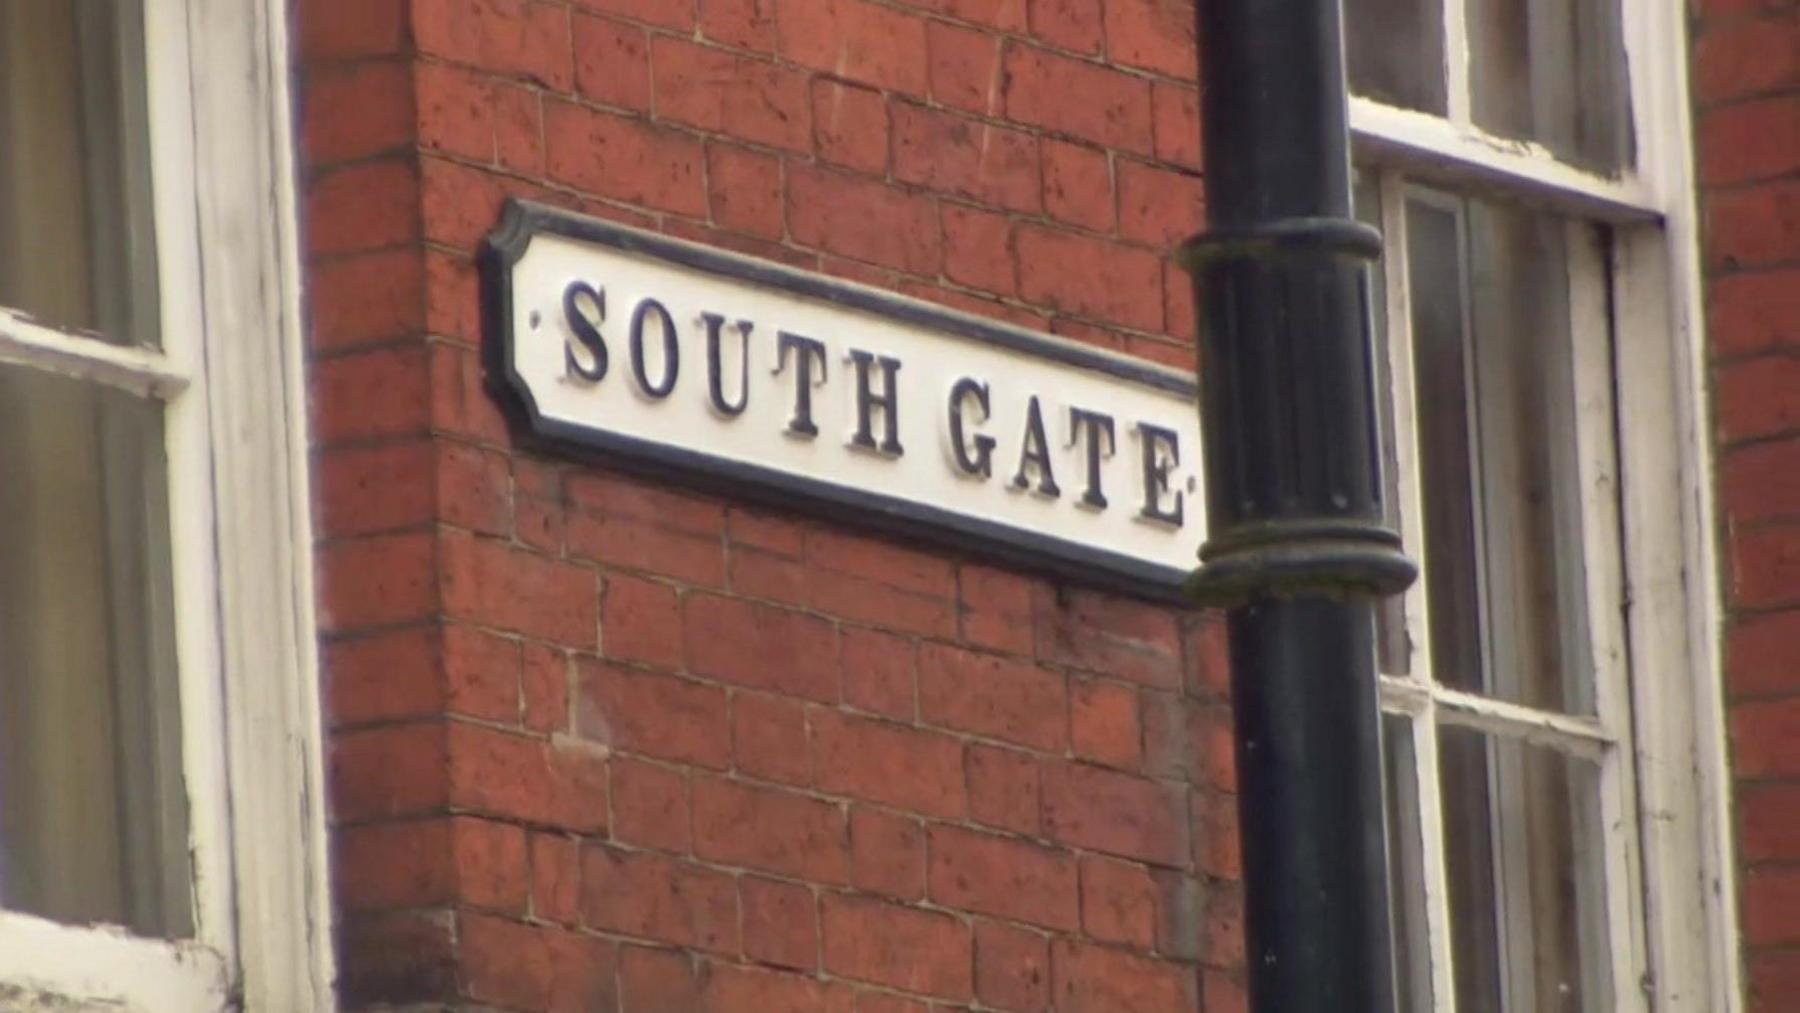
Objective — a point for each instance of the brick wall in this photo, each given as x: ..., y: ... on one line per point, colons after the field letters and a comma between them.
x: 1747, y: 96
x: 599, y: 744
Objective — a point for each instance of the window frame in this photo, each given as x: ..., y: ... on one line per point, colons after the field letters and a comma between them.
x: 1668, y: 707
x: 230, y: 375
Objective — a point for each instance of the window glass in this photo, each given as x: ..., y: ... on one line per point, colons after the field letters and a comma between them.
x: 1395, y: 51
x: 1491, y: 346
x: 93, y: 822
x: 1522, y: 855
x: 76, y: 245
x: 1552, y: 71
x: 1406, y: 867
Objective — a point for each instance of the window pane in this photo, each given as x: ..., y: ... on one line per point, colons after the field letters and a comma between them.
x: 1392, y: 645
x: 1503, y: 568
x: 1552, y: 71
x: 1395, y: 50
x: 1523, y: 855
x: 76, y: 248
x: 93, y: 825
x: 1406, y: 867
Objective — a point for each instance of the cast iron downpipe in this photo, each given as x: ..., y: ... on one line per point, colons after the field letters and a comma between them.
x: 1296, y: 544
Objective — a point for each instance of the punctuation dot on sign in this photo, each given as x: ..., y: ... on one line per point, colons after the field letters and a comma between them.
x: 1193, y: 484
x: 536, y: 319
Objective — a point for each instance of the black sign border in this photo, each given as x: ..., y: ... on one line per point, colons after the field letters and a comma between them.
x: 523, y: 220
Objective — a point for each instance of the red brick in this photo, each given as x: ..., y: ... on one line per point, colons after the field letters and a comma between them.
x: 494, y: 584
x: 653, y: 897
x: 905, y: 948
x: 1206, y: 656
x: 965, y: 68
x: 968, y: 158
x: 511, y: 776
x: 992, y: 696
x: 1750, y: 140
x: 1006, y: 15
x: 1763, y: 654
x: 1750, y: 312
x: 1104, y: 725
x: 880, y: 672
x: 390, y: 771
x: 768, y: 738
x: 727, y: 988
x: 356, y: 111
x: 865, y: 220
x: 1004, y: 789
x: 647, y: 545
x: 456, y: 111
x: 746, y: 190
x: 876, y: 602
x: 1116, y: 637
x: 369, y: 489
x: 1091, y: 979
x: 939, y: 615
x: 1759, y: 397
x: 909, y: 768
x: 718, y: 90
x: 1176, y: 110
x: 1763, y: 734
x: 1224, y: 992
x: 1766, y: 565
x: 649, y: 805
x: 1762, y: 481
x: 757, y: 574
x: 1068, y: 24
x: 1770, y: 831
x: 1747, y: 57
x: 1012, y: 967
x: 676, y: 14
x: 515, y: 38
x: 362, y: 207
x: 492, y: 871
x: 382, y: 866
x: 781, y: 923
x: 1115, y: 813
x: 1753, y: 226
x: 762, y: 647
x: 850, y: 126
x: 370, y: 395
x: 1118, y: 902
x: 888, y: 1002
x: 1004, y: 877
x: 747, y: 24
x: 533, y: 967
x: 347, y: 29
x: 770, y: 829
x: 624, y: 159
x: 462, y: 204
x: 1772, y: 906
x: 403, y: 956
x: 1180, y: 320
x: 779, y: 535
x: 905, y: 569
x: 657, y: 980
x: 1090, y: 277
x: 641, y: 621
x: 544, y: 689
x: 1154, y: 35
x: 996, y: 609
x: 380, y: 581
x: 474, y: 488
x: 366, y: 299
x: 630, y: 497
x: 1078, y: 185
x: 452, y: 297
x: 1223, y: 938
x: 1114, y: 110
x: 857, y: 40
x: 482, y: 673
x: 384, y: 677
x: 978, y: 250
x: 1158, y: 207
x: 612, y: 62
x: 555, y: 878
x: 656, y: 715
x: 887, y: 854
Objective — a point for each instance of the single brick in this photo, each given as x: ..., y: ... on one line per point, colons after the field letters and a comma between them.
x: 1002, y: 876
x: 770, y: 829
x: 900, y: 947
x: 993, y: 696
x: 671, y: 901
x: 656, y: 715
x: 910, y: 768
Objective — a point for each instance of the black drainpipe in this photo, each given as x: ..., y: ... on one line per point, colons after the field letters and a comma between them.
x: 1296, y: 546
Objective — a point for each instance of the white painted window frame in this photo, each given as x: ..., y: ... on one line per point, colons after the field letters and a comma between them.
x: 230, y: 372
x: 1655, y: 611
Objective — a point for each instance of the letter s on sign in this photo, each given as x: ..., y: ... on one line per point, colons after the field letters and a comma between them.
x: 586, y: 332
